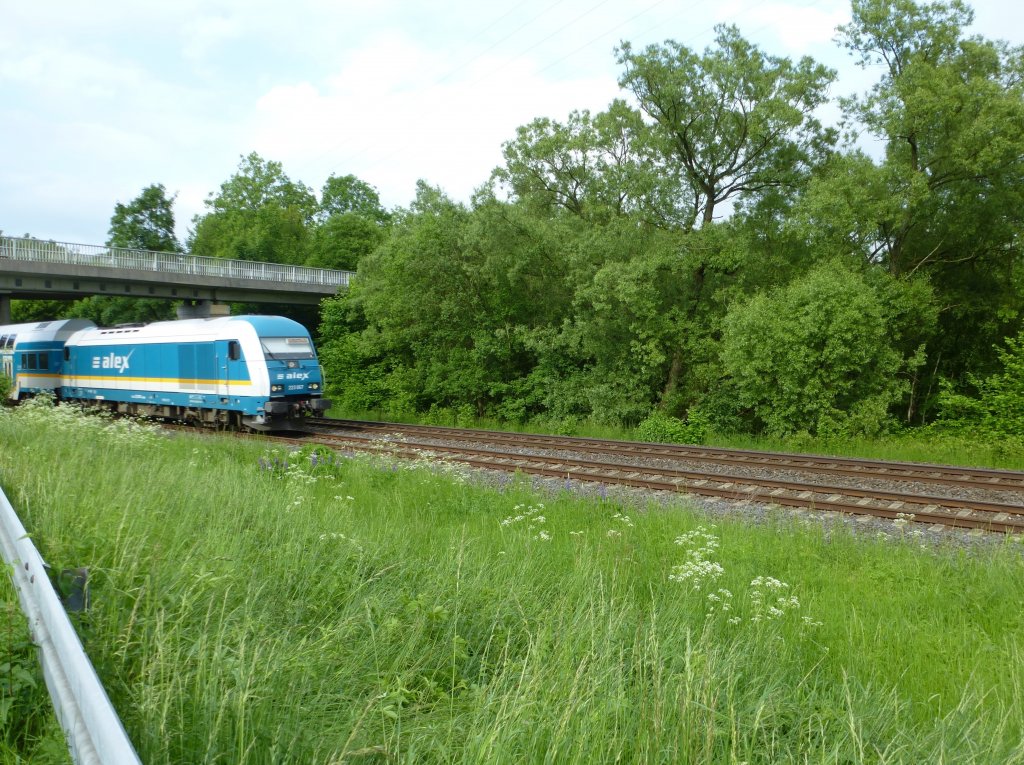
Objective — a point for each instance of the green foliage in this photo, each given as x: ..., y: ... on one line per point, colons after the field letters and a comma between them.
x: 593, y: 166
x: 111, y: 311
x: 735, y: 121
x: 662, y: 428
x: 818, y: 355
x: 27, y: 311
x: 347, y: 194
x: 259, y: 214
x: 26, y: 714
x: 948, y: 200
x: 343, y: 240
x: 998, y: 407
x: 146, y: 223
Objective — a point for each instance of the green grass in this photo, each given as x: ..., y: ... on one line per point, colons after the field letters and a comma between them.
x: 911, y: 445
x: 357, y: 611
x: 29, y: 731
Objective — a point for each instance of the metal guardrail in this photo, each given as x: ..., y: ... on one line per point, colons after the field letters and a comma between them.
x: 17, y: 248
x: 94, y: 731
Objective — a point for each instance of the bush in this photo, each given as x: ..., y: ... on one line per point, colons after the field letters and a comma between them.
x: 819, y: 355
x: 998, y: 409
x: 662, y: 428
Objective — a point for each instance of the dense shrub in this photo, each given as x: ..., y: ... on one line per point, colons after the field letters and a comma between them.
x: 818, y: 355
x: 662, y: 428
x: 998, y: 407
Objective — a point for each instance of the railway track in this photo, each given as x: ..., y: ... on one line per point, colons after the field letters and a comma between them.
x: 961, y: 477
x: 619, y: 465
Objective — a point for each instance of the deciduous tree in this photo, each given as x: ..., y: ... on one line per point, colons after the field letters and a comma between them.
x: 258, y: 214
x: 736, y: 121
x: 146, y: 223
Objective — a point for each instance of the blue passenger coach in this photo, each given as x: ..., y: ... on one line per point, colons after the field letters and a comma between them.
x: 30, y: 354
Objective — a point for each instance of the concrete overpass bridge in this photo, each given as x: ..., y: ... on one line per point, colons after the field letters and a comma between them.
x: 32, y: 269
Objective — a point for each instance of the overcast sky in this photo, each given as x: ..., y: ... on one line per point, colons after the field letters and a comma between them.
x: 99, y: 100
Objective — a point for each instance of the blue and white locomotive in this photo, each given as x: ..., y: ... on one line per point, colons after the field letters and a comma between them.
x: 260, y: 372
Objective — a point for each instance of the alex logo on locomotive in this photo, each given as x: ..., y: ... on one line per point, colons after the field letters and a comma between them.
x: 112, y: 361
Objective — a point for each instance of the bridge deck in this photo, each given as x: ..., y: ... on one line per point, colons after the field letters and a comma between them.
x: 31, y: 268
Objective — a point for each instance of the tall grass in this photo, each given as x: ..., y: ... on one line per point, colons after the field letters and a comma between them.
x: 252, y: 606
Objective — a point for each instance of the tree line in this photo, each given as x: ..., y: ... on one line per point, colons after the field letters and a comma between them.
x: 703, y: 249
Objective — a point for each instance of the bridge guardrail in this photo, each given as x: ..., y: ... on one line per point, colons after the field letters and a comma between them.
x: 94, y: 732
x: 18, y: 248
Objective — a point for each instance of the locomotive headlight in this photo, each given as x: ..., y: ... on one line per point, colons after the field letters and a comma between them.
x: 276, y: 388
x: 314, y: 386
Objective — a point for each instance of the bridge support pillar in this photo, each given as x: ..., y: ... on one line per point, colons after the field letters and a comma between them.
x: 202, y: 309
x: 5, y: 309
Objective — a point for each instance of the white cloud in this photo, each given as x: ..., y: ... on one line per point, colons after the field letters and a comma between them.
x: 800, y: 28
x: 206, y: 33
x: 397, y: 112
x: 103, y: 99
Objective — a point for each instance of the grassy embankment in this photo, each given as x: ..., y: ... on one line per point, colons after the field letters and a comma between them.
x: 246, y: 611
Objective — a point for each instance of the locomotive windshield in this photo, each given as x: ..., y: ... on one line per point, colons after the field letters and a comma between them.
x: 288, y: 347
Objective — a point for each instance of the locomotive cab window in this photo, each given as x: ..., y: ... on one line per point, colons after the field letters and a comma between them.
x: 234, y: 350
x: 287, y: 348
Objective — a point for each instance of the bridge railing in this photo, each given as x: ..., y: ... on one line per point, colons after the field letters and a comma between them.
x: 17, y: 248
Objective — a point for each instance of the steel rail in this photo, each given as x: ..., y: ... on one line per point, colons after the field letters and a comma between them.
x: 965, y: 477
x: 94, y: 732
x: 834, y: 498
